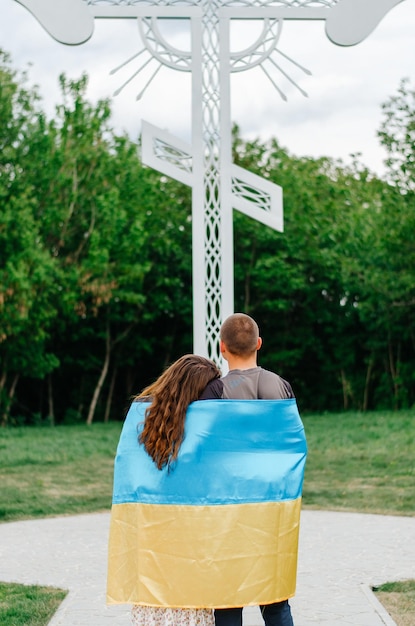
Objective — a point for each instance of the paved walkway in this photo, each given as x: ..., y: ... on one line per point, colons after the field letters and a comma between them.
x: 341, y: 556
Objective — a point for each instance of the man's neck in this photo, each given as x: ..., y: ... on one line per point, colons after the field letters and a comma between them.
x: 238, y: 363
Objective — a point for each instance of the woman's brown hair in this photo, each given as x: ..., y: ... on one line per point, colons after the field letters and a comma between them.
x: 170, y: 395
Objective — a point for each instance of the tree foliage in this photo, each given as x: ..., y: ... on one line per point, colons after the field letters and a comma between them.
x: 95, y: 265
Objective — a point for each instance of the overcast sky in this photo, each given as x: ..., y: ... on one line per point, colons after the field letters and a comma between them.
x: 340, y: 116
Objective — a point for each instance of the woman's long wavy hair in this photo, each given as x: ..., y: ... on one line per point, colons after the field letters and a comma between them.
x: 170, y: 395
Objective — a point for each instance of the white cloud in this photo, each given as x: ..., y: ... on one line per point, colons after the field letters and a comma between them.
x: 340, y: 116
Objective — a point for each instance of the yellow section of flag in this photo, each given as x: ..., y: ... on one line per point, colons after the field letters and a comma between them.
x: 203, y: 556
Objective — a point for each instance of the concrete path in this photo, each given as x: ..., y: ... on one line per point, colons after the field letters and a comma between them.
x: 341, y: 556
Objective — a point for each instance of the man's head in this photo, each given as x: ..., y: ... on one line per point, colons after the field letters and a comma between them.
x: 239, y: 335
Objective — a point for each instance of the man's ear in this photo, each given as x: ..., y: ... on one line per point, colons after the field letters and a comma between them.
x: 259, y: 343
x: 222, y: 347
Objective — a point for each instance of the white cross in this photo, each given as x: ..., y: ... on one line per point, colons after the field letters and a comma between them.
x: 218, y: 186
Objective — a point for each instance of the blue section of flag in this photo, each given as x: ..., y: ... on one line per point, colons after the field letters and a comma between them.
x: 234, y: 452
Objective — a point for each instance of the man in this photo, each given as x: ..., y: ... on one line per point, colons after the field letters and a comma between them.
x: 239, y: 344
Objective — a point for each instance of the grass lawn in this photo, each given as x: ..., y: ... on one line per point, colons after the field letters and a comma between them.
x: 361, y: 462
x: 56, y: 471
x: 357, y: 462
x: 28, y: 605
x: 398, y: 598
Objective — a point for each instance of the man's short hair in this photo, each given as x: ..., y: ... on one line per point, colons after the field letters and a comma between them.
x: 240, y: 333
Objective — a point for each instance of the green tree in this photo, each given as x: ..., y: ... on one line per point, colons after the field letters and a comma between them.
x: 313, y: 288
x: 27, y: 274
x: 397, y: 135
x: 90, y: 210
x: 116, y: 230
x: 397, y: 258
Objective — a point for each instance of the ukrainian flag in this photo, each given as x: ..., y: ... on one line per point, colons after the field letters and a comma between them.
x: 220, y: 529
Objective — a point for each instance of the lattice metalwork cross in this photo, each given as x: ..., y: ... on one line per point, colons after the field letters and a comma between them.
x: 218, y: 185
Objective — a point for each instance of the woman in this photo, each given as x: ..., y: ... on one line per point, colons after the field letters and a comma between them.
x: 170, y: 395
